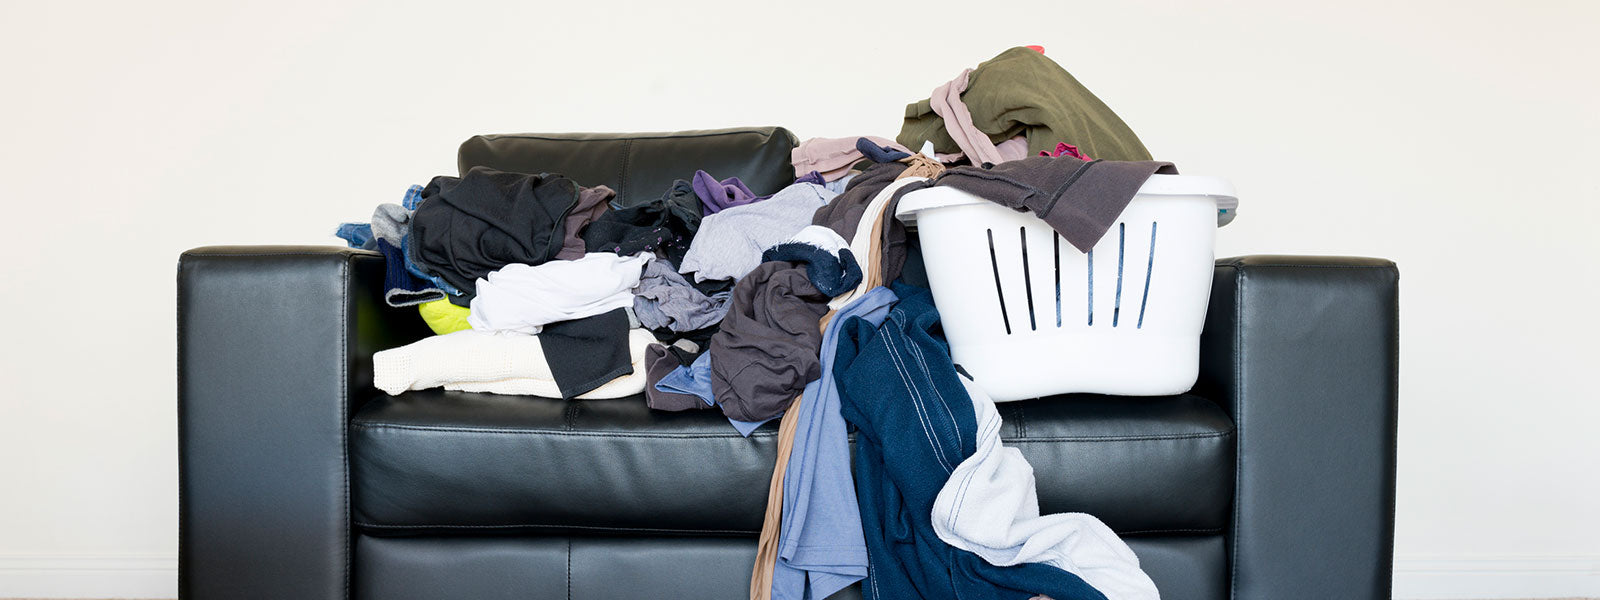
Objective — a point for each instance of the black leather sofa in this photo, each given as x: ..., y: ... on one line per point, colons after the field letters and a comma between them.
x: 1272, y: 479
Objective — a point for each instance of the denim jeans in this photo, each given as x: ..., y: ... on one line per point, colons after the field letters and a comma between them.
x: 914, y: 424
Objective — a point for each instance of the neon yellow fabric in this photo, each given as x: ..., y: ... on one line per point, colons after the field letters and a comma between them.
x: 443, y: 317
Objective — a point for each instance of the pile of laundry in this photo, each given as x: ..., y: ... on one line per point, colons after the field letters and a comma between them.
x: 789, y: 305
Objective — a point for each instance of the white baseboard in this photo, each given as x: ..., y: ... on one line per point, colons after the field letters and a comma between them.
x: 1416, y: 577
x: 89, y: 576
x: 1444, y: 577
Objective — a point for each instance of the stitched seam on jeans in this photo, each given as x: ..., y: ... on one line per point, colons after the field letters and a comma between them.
x: 917, y: 404
x: 557, y: 432
x: 549, y: 526
x: 923, y: 363
x: 1125, y: 438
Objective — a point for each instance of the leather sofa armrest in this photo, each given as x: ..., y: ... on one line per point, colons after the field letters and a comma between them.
x: 274, y: 351
x: 1303, y: 352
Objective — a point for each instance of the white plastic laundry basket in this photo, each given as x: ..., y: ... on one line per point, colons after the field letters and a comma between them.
x: 1028, y: 315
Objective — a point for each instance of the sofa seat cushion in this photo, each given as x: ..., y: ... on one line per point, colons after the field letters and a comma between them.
x: 437, y: 461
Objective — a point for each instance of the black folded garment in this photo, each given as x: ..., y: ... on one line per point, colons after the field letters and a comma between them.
x: 470, y: 226
x: 584, y: 354
x: 665, y: 225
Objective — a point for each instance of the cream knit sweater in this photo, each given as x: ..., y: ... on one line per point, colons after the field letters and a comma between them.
x: 498, y: 363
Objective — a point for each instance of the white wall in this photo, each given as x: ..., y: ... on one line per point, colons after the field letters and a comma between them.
x: 1458, y: 138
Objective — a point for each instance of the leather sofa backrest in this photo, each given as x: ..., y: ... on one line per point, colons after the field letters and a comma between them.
x: 641, y: 163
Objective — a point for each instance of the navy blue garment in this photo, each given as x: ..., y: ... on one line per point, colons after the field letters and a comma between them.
x: 879, y: 154
x: 400, y: 287
x: 832, y: 275
x: 914, y: 423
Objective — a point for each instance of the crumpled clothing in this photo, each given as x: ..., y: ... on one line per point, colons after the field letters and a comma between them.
x: 1065, y: 149
x: 766, y: 350
x: 592, y: 202
x: 729, y: 243
x: 588, y: 352
x: 660, y: 361
x: 914, y: 424
x: 990, y: 507
x: 812, y: 177
x: 1079, y: 199
x: 523, y: 298
x: 400, y: 287
x: 844, y: 212
x: 946, y: 102
x: 694, y: 379
x: 500, y: 363
x: 443, y: 317
x: 882, y: 154
x: 715, y: 196
x: 834, y: 157
x: 829, y: 264
x: 820, y: 544
x: 1023, y: 92
x: 664, y: 299
x: 664, y: 225
x: 391, y: 222
x: 836, y: 186
x: 470, y: 226
x: 357, y: 235
x: 918, y: 165
x: 877, y: 239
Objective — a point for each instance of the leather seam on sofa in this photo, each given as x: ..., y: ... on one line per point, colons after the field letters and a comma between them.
x: 515, y: 526
x: 626, y: 136
x: 347, y: 253
x: 345, y: 307
x: 622, y: 166
x: 1121, y: 438
x: 1238, y: 425
x: 558, y: 432
x: 1237, y: 265
x: 1199, y: 530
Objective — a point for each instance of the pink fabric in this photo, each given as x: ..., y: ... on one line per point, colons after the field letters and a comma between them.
x: 975, y: 144
x: 1013, y: 149
x: 946, y: 101
x: 833, y: 157
x: 1063, y: 148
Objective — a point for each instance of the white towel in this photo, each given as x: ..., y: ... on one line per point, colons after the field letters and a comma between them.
x: 990, y: 507
x: 499, y: 363
x: 525, y: 298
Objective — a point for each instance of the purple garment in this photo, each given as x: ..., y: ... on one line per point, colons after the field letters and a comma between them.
x: 716, y: 196
x: 812, y: 177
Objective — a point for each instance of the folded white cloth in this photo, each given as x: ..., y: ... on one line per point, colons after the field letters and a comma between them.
x: 499, y: 363
x: 525, y: 298
x: 990, y: 507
